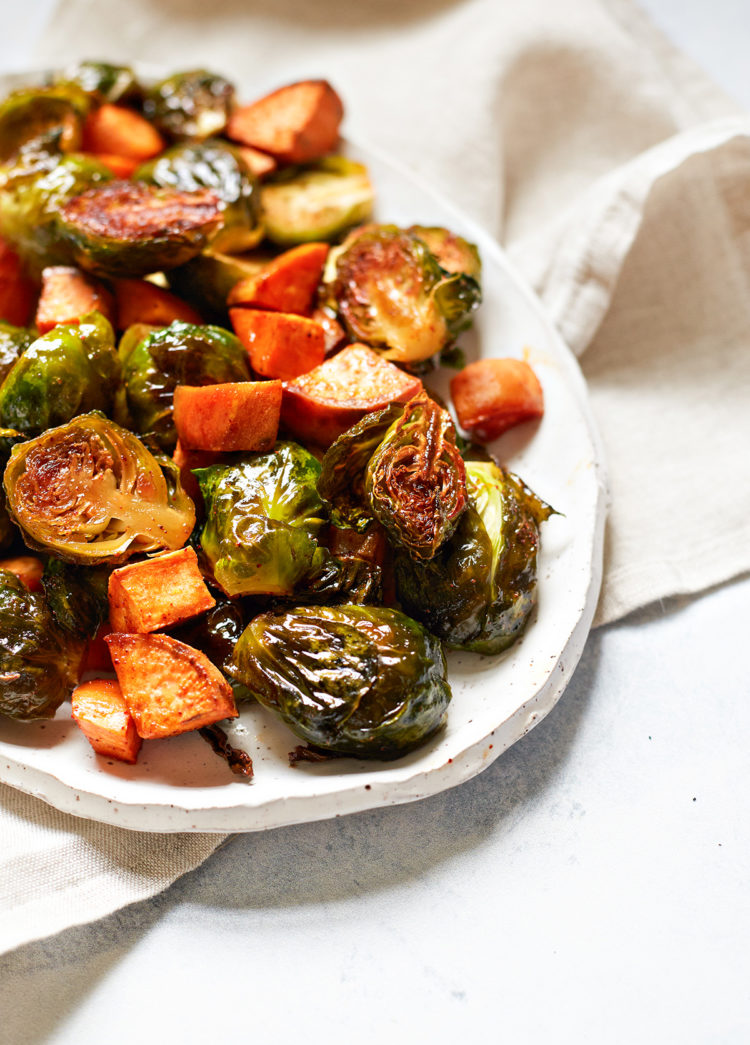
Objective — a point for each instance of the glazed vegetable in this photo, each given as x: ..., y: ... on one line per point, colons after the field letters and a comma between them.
x: 101, y: 713
x: 217, y: 632
x: 279, y: 344
x: 112, y: 83
x: 454, y: 254
x: 118, y: 131
x: 192, y: 105
x: 392, y: 294
x: 139, y: 301
x: 130, y: 229
x: 71, y: 370
x: 295, y: 124
x: 38, y: 662
x: 478, y: 592
x: 180, y: 354
x: 263, y: 516
x: 158, y: 592
x: 286, y: 284
x: 493, y: 395
x: 76, y: 596
x: 208, y: 279
x: 69, y: 294
x: 318, y: 202
x: 90, y: 492
x: 358, y: 680
x: 231, y: 417
x: 214, y: 165
x: 28, y: 569
x: 13, y: 343
x: 42, y: 119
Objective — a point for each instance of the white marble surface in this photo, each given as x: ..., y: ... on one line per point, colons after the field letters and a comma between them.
x: 590, y: 886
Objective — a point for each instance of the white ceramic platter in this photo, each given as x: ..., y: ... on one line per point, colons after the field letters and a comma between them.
x: 180, y: 785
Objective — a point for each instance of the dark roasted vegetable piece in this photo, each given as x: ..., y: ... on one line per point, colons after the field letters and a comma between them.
x: 90, y: 492
x: 478, y: 592
x: 38, y: 661
x: 76, y: 596
x: 454, y: 254
x: 180, y: 354
x: 193, y: 105
x: 263, y: 515
x: 392, y: 294
x: 13, y: 343
x: 73, y: 369
x: 130, y: 229
x: 416, y: 483
x: 359, y: 680
x: 317, y: 202
x: 216, y: 633
x: 218, y: 166
x: 42, y: 119
x: 207, y: 280
x: 112, y: 83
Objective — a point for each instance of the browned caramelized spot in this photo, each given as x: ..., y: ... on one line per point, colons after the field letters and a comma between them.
x: 126, y: 210
x: 312, y: 754
x: 56, y: 477
x: 238, y: 760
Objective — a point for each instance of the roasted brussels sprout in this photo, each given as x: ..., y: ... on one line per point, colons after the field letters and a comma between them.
x: 391, y: 293
x: 13, y: 343
x: 454, y: 254
x: 317, y: 202
x: 76, y: 596
x: 180, y: 354
x: 42, y: 119
x: 112, y: 83
x: 218, y: 166
x: 130, y: 229
x: 32, y: 192
x: 478, y: 592
x: 263, y: 515
x: 38, y: 661
x: 359, y: 680
x: 208, y: 278
x: 190, y: 105
x: 71, y: 370
x: 90, y: 492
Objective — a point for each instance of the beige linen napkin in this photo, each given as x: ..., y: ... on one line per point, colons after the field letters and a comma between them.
x: 616, y: 175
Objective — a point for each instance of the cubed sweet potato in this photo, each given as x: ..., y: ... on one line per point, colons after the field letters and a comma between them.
x: 186, y: 460
x: 102, y: 714
x: 286, y: 284
x: 116, y: 131
x: 333, y: 332
x: 67, y: 295
x: 96, y: 656
x: 280, y: 344
x: 295, y: 124
x: 169, y: 687
x: 121, y: 166
x: 156, y: 593
x: 319, y: 406
x: 140, y: 301
x: 260, y: 163
x: 27, y: 568
x: 229, y: 417
x: 17, y: 291
x: 493, y: 395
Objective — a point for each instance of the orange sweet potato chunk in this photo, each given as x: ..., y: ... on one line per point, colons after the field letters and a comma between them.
x: 241, y: 415
x: 156, y: 593
x: 17, y: 291
x: 260, y: 163
x: 279, y: 344
x: 103, y: 716
x: 286, y: 284
x: 96, y: 656
x: 117, y: 131
x: 121, y: 166
x: 27, y: 568
x: 139, y: 301
x: 319, y: 406
x: 493, y: 395
x: 169, y: 687
x: 67, y: 294
x: 295, y: 124
x: 186, y: 460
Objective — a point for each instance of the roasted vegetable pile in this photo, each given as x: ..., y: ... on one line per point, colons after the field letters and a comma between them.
x: 225, y: 477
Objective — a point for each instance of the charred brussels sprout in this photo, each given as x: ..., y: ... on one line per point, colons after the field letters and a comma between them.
x: 32, y: 192
x: 478, y: 592
x: 71, y: 370
x: 190, y: 105
x: 318, y: 202
x: 76, y: 596
x: 391, y: 293
x: 130, y: 229
x: 38, y: 661
x: 263, y: 515
x: 218, y: 166
x: 42, y: 119
x: 90, y: 492
x: 358, y: 680
x: 13, y: 343
x: 180, y: 354
x: 112, y: 83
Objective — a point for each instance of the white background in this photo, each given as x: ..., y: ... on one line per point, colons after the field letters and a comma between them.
x: 591, y: 886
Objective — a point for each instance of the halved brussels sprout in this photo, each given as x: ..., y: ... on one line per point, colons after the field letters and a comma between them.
x: 130, y: 229
x: 180, y: 354
x: 478, y: 592
x: 71, y: 370
x: 207, y: 279
x: 42, y: 119
x: 38, y: 661
x: 263, y: 516
x: 317, y: 202
x: 416, y: 483
x: 13, y: 343
x: 90, y: 492
x: 391, y: 293
x: 358, y: 680
x: 215, y: 165
x: 112, y: 83
x: 453, y: 253
x: 77, y: 596
x: 193, y: 105
x: 32, y: 192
